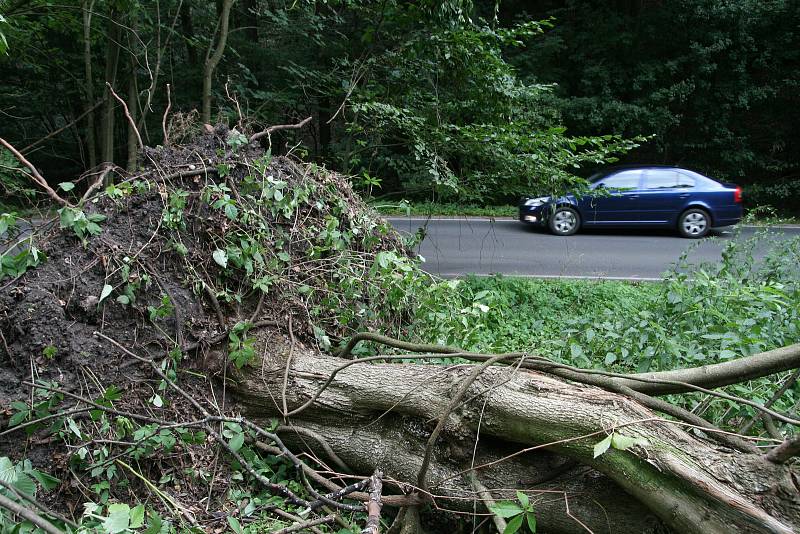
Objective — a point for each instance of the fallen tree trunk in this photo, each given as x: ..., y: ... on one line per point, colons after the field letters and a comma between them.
x: 141, y: 303
x: 381, y: 415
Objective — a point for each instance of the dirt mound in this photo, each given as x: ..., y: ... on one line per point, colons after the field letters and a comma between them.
x: 210, y: 242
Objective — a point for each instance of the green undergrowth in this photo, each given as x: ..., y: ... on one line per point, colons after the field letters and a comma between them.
x: 696, y: 315
x: 422, y: 209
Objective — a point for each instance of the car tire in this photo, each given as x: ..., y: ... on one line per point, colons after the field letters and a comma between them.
x: 564, y: 221
x: 694, y: 223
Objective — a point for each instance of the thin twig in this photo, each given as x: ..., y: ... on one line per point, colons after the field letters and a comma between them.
x: 127, y: 115
x: 97, y: 183
x: 307, y: 524
x: 789, y: 382
x: 28, y: 514
x: 56, y: 132
x: 487, y: 499
x: 164, y: 118
x: 40, y: 181
x: 462, y: 390
x: 24, y: 496
x: 296, y: 518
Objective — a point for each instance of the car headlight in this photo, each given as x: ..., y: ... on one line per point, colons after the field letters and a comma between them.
x: 534, y: 202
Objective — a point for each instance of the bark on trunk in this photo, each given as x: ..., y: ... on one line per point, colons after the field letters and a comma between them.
x: 112, y: 59
x: 381, y: 415
x: 132, y: 144
x: 187, y: 27
x: 91, y: 142
x: 212, y: 58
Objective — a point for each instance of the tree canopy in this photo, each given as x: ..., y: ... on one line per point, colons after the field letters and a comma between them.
x: 475, y: 101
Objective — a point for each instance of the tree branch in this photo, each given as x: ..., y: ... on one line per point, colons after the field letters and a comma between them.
x: 374, y: 505
x: 35, y: 176
x: 131, y: 122
x: 30, y: 515
x: 722, y: 374
x: 278, y: 127
x: 785, y: 451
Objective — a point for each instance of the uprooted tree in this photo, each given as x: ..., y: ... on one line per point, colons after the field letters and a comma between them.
x: 204, y: 318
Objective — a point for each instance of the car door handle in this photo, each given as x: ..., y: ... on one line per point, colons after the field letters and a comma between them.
x: 633, y: 197
x: 684, y: 195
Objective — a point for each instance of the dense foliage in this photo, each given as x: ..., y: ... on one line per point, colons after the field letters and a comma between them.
x: 697, y: 315
x: 715, y: 81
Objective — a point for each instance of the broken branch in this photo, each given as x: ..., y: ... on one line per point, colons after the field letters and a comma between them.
x: 278, y: 127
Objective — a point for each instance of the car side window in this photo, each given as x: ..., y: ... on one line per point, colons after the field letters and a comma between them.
x: 685, y: 181
x: 660, y: 179
x: 622, y: 180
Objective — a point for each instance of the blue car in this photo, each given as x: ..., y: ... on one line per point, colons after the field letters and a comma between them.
x: 641, y: 197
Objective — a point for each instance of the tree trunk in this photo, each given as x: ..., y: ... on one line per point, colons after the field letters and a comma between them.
x: 381, y: 415
x: 112, y: 60
x: 187, y: 27
x: 133, y: 144
x: 324, y: 115
x: 91, y: 143
x: 212, y: 58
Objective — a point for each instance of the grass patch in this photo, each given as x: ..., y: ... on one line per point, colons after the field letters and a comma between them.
x: 447, y: 209
x: 767, y: 216
x: 694, y: 316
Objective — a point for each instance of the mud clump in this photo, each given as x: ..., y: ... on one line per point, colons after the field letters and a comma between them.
x: 213, y: 240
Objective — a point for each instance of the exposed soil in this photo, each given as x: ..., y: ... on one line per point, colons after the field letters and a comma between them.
x: 49, y: 316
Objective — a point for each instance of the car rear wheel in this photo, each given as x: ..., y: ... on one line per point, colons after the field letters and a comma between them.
x: 694, y: 223
x: 564, y: 221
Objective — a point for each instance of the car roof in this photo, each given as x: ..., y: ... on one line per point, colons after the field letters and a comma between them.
x: 618, y: 168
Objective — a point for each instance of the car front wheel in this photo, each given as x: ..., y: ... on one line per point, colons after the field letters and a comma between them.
x: 564, y: 221
x: 694, y: 223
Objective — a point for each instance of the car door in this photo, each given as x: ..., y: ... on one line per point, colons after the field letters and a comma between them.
x: 662, y: 196
x: 617, y: 198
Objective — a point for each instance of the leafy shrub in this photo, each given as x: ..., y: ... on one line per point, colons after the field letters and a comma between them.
x: 783, y: 197
x: 696, y: 315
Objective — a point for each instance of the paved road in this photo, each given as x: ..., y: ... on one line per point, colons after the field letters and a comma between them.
x: 454, y: 247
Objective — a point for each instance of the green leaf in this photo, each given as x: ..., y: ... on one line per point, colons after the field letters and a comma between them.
x: 48, y: 482
x: 236, y: 443
x: 19, y: 406
x: 118, y: 519
x: 513, y: 525
x: 523, y: 499
x: 18, y: 418
x: 137, y: 516
x: 531, y: 519
x: 623, y: 442
x: 124, y: 300
x: 25, y: 484
x: 221, y: 257
x: 235, y: 525
x: 74, y: 427
x: 66, y: 186
x: 506, y: 509
x: 603, y: 446
x: 154, y: 527
x: 7, y: 471
x: 105, y: 292
x: 231, y: 211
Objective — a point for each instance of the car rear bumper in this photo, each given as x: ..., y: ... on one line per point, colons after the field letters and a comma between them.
x: 727, y: 216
